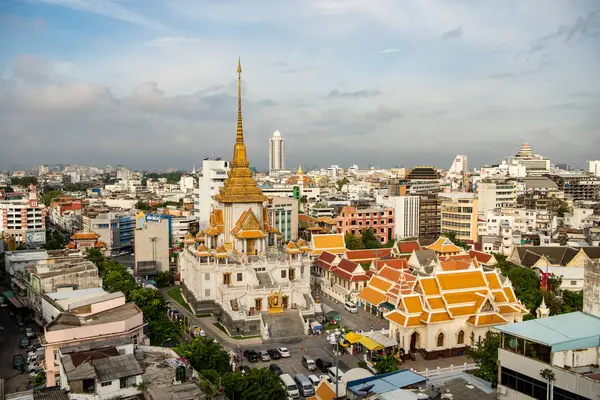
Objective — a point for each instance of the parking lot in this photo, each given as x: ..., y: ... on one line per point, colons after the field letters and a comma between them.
x: 9, y: 347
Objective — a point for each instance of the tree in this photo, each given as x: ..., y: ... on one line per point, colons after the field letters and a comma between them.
x: 572, y: 301
x: 369, y: 239
x: 204, y: 354
x: 385, y: 364
x: 95, y: 255
x: 340, y: 184
x: 485, y: 355
x: 389, y: 244
x: 164, y: 279
x: 563, y: 208
x: 49, y: 196
x: 353, y: 242
x: 24, y: 181
x: 259, y: 384
x: 150, y: 301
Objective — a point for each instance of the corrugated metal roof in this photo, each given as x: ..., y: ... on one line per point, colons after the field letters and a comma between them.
x: 112, y: 368
x: 576, y: 330
x: 386, y: 382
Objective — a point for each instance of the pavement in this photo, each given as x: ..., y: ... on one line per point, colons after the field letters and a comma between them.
x: 357, y: 321
x: 9, y: 346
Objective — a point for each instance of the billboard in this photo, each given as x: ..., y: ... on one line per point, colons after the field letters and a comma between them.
x: 35, y: 237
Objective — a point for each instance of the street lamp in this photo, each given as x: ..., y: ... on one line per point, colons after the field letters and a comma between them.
x: 165, y: 341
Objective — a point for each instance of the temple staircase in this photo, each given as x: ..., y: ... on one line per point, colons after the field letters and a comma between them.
x: 285, y: 325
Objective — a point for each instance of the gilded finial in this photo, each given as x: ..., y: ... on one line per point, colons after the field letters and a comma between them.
x: 239, y: 70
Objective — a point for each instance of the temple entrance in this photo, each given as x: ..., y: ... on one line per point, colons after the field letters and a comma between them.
x: 415, y: 341
x: 292, y: 274
x: 275, y: 302
x: 258, y: 303
x: 284, y: 302
x: 250, y: 246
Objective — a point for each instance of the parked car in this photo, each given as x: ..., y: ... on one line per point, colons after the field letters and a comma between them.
x: 314, y: 380
x: 290, y: 386
x: 29, y: 332
x: 323, y: 364
x: 327, y: 378
x: 244, y: 369
x: 335, y: 374
x: 350, y: 307
x: 308, y: 363
x: 24, y: 341
x: 274, y: 353
x: 251, y: 355
x: 264, y: 355
x: 19, y: 363
x: 274, y: 368
x: 284, y: 352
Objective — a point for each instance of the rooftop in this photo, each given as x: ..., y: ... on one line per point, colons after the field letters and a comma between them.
x: 386, y: 382
x: 576, y: 330
x: 69, y: 321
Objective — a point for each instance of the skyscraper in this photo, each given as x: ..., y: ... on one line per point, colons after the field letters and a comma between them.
x: 276, y: 153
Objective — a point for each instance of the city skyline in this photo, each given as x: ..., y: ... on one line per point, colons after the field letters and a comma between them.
x: 348, y: 82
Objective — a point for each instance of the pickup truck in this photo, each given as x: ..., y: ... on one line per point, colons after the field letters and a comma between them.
x: 19, y: 363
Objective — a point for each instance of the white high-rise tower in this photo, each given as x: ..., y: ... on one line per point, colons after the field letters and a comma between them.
x: 276, y: 153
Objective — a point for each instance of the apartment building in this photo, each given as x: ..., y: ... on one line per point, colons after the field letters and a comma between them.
x: 459, y: 215
x: 498, y: 194
x: 578, y: 186
x: 283, y: 214
x: 356, y: 220
x: 214, y: 173
x: 24, y: 219
x: 406, y: 214
x: 593, y: 167
x: 550, y: 358
x: 66, y: 213
x: 115, y: 226
x: 430, y: 206
x: 151, y: 254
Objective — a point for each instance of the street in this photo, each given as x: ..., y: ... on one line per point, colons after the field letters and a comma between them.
x: 9, y: 346
x: 361, y: 320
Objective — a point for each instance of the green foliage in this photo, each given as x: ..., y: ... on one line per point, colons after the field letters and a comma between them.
x: 458, y: 242
x: 572, y: 301
x: 258, y: 384
x: 54, y: 241
x: 369, y: 239
x: 176, y: 295
x: 49, y: 196
x: 389, y: 244
x: 143, y: 206
x: 485, y: 355
x: 385, y: 364
x: 95, y: 255
x: 172, y: 177
x: 562, y: 209
x: 353, y: 242
x: 204, y: 354
x: 340, y: 184
x: 24, y: 181
x: 79, y: 186
x: 164, y: 279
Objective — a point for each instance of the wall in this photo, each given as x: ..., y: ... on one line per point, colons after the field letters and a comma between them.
x: 591, y: 288
x: 152, y: 244
x: 115, y: 391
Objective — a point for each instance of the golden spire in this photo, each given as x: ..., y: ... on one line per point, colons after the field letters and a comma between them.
x: 299, y: 170
x: 240, y: 186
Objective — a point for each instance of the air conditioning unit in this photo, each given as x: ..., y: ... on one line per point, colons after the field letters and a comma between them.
x: 502, y: 390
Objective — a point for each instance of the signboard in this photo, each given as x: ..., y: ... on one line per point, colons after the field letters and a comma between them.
x: 34, y: 237
x: 154, y: 217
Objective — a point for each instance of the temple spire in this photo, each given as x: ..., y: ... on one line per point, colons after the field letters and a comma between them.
x: 240, y: 131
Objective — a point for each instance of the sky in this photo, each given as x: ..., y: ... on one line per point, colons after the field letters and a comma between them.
x: 151, y: 84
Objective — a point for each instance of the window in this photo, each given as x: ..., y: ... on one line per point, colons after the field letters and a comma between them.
x: 526, y: 384
x: 105, y: 383
x: 573, y: 283
x: 283, y: 274
x: 461, y: 337
x: 206, y: 292
x: 207, y: 277
x: 123, y: 382
x: 239, y: 277
x: 440, y: 340
x: 227, y: 278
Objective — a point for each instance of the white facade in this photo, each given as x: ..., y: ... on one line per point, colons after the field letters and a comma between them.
x: 276, y: 153
x: 43, y: 170
x: 124, y: 174
x: 579, y: 218
x: 593, y: 167
x: 335, y: 171
x: 24, y: 219
x: 186, y: 183
x: 459, y: 166
x: 406, y: 214
x: 214, y: 173
x: 496, y: 195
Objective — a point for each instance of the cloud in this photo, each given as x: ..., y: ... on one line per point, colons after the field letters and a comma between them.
x: 386, y: 51
x: 170, y: 41
x: 585, y: 26
x: 31, y: 67
x: 298, y: 70
x: 358, y: 94
x: 456, y: 33
x: 500, y: 75
x: 110, y: 9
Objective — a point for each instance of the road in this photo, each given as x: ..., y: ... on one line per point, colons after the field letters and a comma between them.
x: 9, y: 346
x: 361, y: 320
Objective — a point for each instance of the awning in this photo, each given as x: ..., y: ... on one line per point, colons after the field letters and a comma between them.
x: 382, y: 339
x: 353, y: 337
x: 387, y: 305
x: 370, y: 343
x: 15, y: 302
x: 8, y: 294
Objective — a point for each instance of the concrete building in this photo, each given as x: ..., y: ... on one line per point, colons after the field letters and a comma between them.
x: 496, y: 194
x: 24, y: 219
x: 214, y: 173
x: 66, y: 213
x: 318, y: 210
x: 187, y: 183
x: 593, y: 167
x: 71, y: 329
x: 276, y: 153
x: 406, y: 214
x: 284, y: 214
x: 591, y: 288
x: 459, y: 215
x: 550, y: 357
x: 356, y: 220
x: 123, y: 173
x: 100, y: 370
x: 115, y: 227
x: 430, y: 206
x: 43, y: 170
x: 61, y: 301
x: 578, y: 186
x: 460, y: 166
x: 151, y: 250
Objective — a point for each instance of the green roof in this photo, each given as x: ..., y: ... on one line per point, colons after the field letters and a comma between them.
x: 576, y: 330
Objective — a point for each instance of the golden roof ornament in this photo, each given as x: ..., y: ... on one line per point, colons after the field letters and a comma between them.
x: 240, y: 186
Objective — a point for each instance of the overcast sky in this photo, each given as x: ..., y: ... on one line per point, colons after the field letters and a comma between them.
x: 152, y: 83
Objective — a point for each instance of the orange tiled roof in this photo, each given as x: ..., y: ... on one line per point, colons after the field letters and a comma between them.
x: 436, y: 303
x: 442, y: 316
x: 481, y: 256
x: 412, y: 304
x: 414, y: 321
x: 254, y: 234
x: 444, y: 246
x: 395, y: 263
x: 380, y: 284
x: 506, y: 309
x: 462, y: 311
x: 454, y: 265
x: 408, y: 247
x: 469, y: 296
x: 221, y: 252
x: 99, y: 244
x: 390, y: 274
x: 499, y: 296
x: 202, y: 251
x: 367, y: 255
x: 429, y: 286
x: 486, y: 319
x: 85, y: 236
x: 189, y: 239
x: 510, y: 294
x: 334, y: 243
x: 372, y: 296
x: 302, y: 245
x: 493, y: 280
x: 291, y: 248
x: 396, y: 317
x: 70, y: 245
x: 461, y: 280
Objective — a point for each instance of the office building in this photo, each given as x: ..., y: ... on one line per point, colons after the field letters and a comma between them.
x: 276, y: 153
x: 430, y: 205
x: 151, y: 249
x: 459, y: 215
x: 283, y: 212
x: 24, y: 219
x: 496, y: 194
x: 214, y: 173
x: 593, y: 167
x: 460, y: 166
x: 356, y: 220
x: 406, y: 214
x: 115, y: 227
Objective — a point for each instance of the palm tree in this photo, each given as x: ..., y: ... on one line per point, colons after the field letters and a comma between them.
x: 548, y: 375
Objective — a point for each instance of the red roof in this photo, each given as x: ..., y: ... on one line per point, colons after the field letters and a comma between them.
x: 395, y: 263
x: 348, y: 266
x: 327, y: 257
x: 367, y: 255
x: 408, y: 247
x: 480, y: 256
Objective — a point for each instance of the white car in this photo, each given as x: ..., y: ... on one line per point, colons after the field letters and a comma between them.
x: 29, y: 332
x: 285, y: 353
x: 326, y: 378
x: 350, y: 307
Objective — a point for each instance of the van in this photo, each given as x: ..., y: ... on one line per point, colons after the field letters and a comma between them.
x: 351, y: 307
x: 308, y: 363
x: 335, y: 374
x: 314, y: 380
x: 304, y: 385
x: 290, y: 386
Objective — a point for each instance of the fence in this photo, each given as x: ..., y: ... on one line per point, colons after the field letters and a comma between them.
x: 442, y: 371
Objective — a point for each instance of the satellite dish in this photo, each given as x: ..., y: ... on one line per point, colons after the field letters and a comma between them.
x: 366, y: 389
